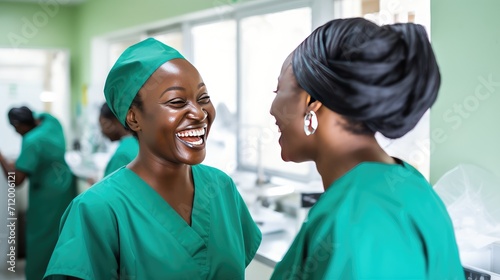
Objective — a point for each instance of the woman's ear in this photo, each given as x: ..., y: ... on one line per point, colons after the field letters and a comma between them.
x: 314, y: 106
x: 132, y: 120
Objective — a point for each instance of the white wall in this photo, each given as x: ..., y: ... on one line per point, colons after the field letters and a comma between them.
x: 15, y: 93
x: 23, y: 75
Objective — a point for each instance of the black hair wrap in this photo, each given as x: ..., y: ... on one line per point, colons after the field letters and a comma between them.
x: 106, y: 112
x: 21, y: 115
x: 384, y: 76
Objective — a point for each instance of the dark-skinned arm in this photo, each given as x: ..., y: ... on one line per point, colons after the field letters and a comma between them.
x: 10, y: 167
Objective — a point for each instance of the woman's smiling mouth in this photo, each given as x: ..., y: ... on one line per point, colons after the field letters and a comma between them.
x: 192, y: 137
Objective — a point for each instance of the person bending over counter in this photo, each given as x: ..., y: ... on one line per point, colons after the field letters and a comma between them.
x: 52, y: 186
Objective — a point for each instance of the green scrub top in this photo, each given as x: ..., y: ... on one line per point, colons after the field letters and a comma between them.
x: 121, y: 228
x: 378, y: 221
x: 51, y: 189
x: 126, y: 152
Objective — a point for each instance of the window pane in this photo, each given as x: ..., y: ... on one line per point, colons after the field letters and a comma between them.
x: 388, y: 11
x: 214, y: 55
x: 173, y: 39
x: 266, y: 41
x: 117, y: 48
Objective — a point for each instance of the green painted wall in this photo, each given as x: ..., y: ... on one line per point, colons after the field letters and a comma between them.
x: 465, y: 119
x: 99, y: 17
x: 33, y: 25
x: 72, y: 27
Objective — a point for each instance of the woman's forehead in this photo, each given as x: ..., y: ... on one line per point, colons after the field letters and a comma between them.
x: 174, y: 73
x: 287, y: 75
x: 287, y: 63
x: 178, y: 68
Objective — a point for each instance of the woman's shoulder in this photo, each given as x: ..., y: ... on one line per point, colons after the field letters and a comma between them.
x: 369, y: 177
x: 105, y: 190
x: 129, y: 143
x: 374, y: 187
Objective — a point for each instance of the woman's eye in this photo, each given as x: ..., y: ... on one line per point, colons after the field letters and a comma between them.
x: 177, y: 103
x: 205, y: 99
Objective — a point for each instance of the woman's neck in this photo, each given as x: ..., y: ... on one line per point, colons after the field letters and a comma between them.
x: 336, y: 159
x: 162, y: 175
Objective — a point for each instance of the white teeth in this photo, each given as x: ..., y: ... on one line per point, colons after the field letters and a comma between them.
x: 194, y: 143
x: 191, y: 132
x: 199, y: 142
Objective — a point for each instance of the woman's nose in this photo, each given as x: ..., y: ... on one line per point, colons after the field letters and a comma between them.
x: 198, y: 113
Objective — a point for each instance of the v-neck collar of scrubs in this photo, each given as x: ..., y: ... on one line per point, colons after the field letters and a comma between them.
x: 193, y: 238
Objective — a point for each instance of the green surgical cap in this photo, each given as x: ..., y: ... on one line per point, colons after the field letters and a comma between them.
x: 132, y: 69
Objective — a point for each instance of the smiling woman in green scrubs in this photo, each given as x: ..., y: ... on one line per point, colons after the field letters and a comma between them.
x: 112, y: 128
x: 378, y: 218
x: 51, y: 183
x: 164, y: 215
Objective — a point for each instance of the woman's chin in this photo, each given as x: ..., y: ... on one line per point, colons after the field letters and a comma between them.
x: 289, y: 157
x: 195, y: 161
x: 192, y: 158
x: 285, y: 156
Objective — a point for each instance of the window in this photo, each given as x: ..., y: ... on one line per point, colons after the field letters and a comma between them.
x: 172, y: 38
x: 214, y: 55
x: 266, y: 41
x: 117, y: 48
x: 229, y: 54
x: 387, y: 11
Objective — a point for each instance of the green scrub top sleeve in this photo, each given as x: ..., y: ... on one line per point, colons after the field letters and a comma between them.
x: 251, y: 233
x: 115, y: 163
x: 29, y: 158
x: 87, y: 247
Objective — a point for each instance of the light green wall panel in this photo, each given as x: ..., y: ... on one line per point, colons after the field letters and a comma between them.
x: 98, y: 17
x: 53, y: 25
x: 34, y: 25
x: 465, y: 119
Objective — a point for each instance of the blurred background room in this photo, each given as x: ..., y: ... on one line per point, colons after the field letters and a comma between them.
x: 55, y: 56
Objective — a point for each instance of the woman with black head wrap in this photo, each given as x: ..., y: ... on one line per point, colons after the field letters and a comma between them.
x: 378, y: 218
x: 128, y: 146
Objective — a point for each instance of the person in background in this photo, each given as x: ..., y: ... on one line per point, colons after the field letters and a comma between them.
x: 164, y: 215
x: 378, y: 218
x: 115, y: 131
x: 51, y: 183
